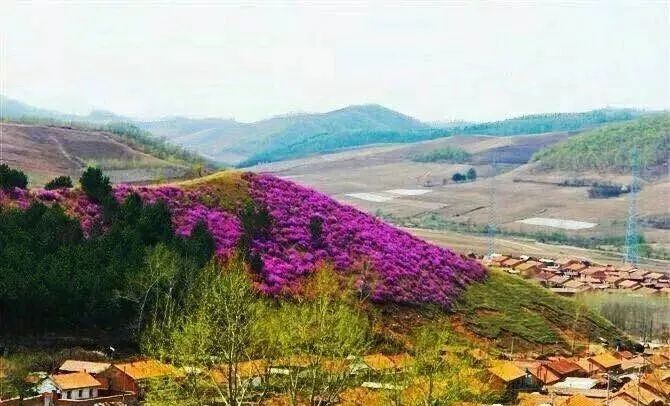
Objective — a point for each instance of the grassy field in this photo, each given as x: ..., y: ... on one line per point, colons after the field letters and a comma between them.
x: 507, y: 306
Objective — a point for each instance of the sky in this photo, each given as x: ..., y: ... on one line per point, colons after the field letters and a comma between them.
x: 250, y: 60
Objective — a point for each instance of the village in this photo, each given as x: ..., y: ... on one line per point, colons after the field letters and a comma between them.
x: 570, y: 276
x: 600, y: 376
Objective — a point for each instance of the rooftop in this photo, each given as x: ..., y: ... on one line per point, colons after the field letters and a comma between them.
x: 507, y: 371
x: 76, y: 380
x: 147, y: 369
x: 84, y: 366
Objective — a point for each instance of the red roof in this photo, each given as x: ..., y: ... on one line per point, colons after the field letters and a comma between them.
x: 563, y: 367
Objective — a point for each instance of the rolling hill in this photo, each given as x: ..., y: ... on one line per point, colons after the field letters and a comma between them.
x: 284, y: 232
x: 298, y: 135
x: 45, y: 152
x: 288, y: 137
x: 609, y: 148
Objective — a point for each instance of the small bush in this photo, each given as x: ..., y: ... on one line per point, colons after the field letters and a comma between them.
x: 459, y: 177
x: 603, y: 191
x: 59, y: 183
x: 11, y: 178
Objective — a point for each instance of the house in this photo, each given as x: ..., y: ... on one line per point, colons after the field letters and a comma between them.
x: 658, y: 360
x: 605, y: 362
x: 565, y: 368
x: 558, y: 280
x: 640, y: 273
x: 89, y: 367
x: 653, y: 276
x: 529, y: 267
x: 76, y: 385
x: 578, y: 400
x: 511, y: 262
x: 636, y: 394
x: 544, y: 376
x: 132, y: 376
x: 93, y: 368
x: 655, y: 384
x: 597, y: 272
x: 575, y: 284
x: 575, y: 267
x: 629, y: 284
x: 507, y: 376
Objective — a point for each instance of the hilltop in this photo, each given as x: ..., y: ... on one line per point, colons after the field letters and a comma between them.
x: 608, y: 148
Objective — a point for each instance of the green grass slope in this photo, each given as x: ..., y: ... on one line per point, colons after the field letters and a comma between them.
x: 609, y: 148
x: 506, y: 306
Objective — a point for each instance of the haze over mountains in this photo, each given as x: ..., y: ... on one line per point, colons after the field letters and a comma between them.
x: 291, y: 136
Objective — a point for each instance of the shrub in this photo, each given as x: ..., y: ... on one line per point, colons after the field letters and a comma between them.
x: 446, y: 154
x: 601, y: 191
x: 11, y: 178
x: 472, y: 174
x: 459, y: 177
x: 96, y: 185
x: 59, y: 183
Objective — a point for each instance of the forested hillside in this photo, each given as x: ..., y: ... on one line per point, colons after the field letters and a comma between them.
x: 544, y: 123
x: 610, y: 148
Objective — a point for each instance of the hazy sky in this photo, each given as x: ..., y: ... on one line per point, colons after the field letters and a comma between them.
x: 432, y: 60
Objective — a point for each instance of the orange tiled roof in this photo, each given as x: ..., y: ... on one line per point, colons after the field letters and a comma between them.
x: 84, y: 366
x: 658, y: 360
x: 512, y: 262
x: 606, y: 360
x: 564, y: 367
x: 638, y: 393
x: 655, y: 383
x: 507, y: 371
x: 528, y: 265
x: 579, y: 400
x: 546, y: 375
x: 147, y: 369
x: 75, y: 380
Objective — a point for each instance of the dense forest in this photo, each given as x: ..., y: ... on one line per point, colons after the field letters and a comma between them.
x: 543, y: 123
x: 612, y: 147
x: 45, y: 258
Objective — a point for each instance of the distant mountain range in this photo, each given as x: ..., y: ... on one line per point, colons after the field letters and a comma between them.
x: 291, y: 136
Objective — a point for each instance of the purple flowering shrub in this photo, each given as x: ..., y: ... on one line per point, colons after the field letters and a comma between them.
x: 186, y: 209
x: 408, y: 270
x: 306, y: 230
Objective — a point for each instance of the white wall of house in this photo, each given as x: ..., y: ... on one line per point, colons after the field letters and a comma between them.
x: 84, y: 393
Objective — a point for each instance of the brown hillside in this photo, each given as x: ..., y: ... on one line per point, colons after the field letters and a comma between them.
x: 45, y: 152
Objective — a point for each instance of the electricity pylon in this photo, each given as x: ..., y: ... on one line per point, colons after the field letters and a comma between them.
x: 631, y: 254
x: 491, y: 229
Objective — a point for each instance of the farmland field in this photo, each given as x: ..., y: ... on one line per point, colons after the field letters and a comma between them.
x: 522, y: 191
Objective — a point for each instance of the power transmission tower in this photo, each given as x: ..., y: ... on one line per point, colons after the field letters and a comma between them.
x: 631, y: 254
x: 491, y: 229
